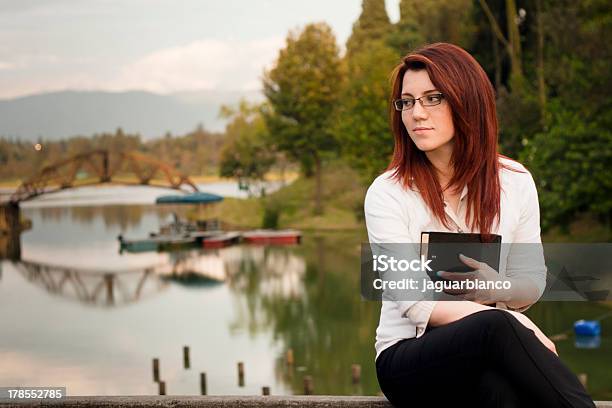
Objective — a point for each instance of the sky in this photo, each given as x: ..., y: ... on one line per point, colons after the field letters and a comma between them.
x: 161, y: 46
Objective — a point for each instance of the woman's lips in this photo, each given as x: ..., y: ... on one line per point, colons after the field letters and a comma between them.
x: 421, y: 130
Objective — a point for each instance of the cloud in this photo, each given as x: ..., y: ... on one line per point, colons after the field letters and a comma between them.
x: 7, y: 65
x: 200, y: 65
x: 203, y: 64
x: 29, y: 60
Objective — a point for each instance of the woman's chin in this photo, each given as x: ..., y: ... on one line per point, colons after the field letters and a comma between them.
x: 427, y: 147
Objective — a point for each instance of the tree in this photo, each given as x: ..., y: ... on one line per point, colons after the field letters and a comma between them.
x: 432, y: 21
x: 302, y: 89
x: 362, y: 119
x: 571, y: 162
x: 512, y: 44
x: 373, y: 25
x: 246, y: 155
x: 406, y: 34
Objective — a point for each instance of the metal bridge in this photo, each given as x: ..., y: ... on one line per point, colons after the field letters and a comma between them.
x: 102, y: 166
x: 85, y: 169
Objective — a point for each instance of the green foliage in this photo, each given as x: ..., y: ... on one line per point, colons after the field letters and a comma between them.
x: 196, y: 153
x: 362, y: 118
x: 430, y: 21
x: 373, y: 25
x: 303, y: 88
x: 246, y: 154
x: 271, y: 215
x: 571, y: 164
x: 519, y: 120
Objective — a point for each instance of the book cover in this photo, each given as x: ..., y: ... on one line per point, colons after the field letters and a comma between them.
x: 443, y: 249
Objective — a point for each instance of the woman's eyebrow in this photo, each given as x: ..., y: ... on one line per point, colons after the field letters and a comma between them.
x: 426, y: 92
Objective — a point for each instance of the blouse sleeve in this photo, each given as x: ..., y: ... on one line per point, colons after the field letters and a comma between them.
x: 526, y: 254
x: 387, y: 223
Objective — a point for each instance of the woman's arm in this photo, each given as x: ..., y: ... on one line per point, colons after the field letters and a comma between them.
x: 387, y: 221
x: 526, y: 268
x: 445, y: 312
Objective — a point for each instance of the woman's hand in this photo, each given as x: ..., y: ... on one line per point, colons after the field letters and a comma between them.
x: 481, y: 272
x: 525, y: 321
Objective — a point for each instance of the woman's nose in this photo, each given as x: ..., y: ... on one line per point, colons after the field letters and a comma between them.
x: 418, y: 111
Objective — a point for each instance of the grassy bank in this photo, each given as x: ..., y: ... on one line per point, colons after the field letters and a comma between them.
x: 293, y: 205
x: 584, y: 229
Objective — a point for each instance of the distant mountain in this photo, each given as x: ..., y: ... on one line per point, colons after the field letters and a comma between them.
x: 59, y: 115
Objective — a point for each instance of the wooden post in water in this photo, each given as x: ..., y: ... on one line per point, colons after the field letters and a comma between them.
x: 162, y: 388
x: 582, y: 377
x: 356, y: 373
x: 308, y: 385
x: 240, y: 374
x: 265, y: 390
x: 289, y: 361
x: 156, y: 369
x: 203, y: 383
x: 186, y: 356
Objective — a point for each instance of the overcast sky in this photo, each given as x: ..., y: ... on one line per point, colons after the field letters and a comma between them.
x: 156, y: 45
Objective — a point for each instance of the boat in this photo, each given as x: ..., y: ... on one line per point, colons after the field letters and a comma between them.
x: 155, y: 243
x: 221, y: 240
x: 201, y: 236
x: 193, y: 198
x: 273, y: 237
x: 176, y: 242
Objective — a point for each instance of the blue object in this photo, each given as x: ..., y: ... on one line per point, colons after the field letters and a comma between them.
x: 587, y: 328
x: 193, y: 198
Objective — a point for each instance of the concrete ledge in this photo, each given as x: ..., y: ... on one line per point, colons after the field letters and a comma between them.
x: 218, y: 401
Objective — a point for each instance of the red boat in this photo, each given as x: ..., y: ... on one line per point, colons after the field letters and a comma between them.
x: 280, y: 237
x: 221, y: 240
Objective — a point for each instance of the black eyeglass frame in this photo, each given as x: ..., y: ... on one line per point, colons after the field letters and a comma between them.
x: 400, y: 107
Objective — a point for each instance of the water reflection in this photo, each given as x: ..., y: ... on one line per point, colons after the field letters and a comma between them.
x: 313, y: 309
x: 92, y: 288
x: 122, y: 216
x: 192, y: 268
x: 241, y: 303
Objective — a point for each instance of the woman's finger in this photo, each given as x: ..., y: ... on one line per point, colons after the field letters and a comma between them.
x: 472, y: 263
x: 457, y: 291
x: 456, y: 275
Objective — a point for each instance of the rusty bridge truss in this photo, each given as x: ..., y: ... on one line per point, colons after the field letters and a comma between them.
x: 102, y: 166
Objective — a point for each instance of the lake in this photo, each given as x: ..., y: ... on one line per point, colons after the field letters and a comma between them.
x: 77, y: 312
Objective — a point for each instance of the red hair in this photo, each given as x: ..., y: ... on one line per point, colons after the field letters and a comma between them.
x: 475, y: 159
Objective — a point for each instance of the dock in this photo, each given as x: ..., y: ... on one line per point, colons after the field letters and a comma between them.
x: 221, y: 401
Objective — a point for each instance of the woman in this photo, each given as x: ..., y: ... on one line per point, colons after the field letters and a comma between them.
x: 446, y: 175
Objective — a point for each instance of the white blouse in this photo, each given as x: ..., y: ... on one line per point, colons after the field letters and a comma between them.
x: 395, y: 214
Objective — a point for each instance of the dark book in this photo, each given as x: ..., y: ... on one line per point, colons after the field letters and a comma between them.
x: 443, y: 249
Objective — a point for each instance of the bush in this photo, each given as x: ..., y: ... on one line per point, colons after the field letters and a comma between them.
x: 271, y: 214
x: 571, y: 166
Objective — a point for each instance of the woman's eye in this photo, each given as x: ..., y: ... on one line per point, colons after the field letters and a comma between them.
x: 433, y: 98
x: 407, y: 102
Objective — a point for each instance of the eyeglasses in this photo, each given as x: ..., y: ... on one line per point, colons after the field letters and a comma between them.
x: 425, y: 100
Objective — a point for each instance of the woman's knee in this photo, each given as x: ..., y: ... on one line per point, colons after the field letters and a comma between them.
x: 495, y: 323
x: 493, y: 318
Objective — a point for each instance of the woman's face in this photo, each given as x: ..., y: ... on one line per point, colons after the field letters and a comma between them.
x: 429, y: 127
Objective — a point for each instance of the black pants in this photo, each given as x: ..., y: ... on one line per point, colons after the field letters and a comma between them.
x: 486, y: 359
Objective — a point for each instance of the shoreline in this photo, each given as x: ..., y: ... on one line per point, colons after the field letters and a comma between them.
x: 288, y: 177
